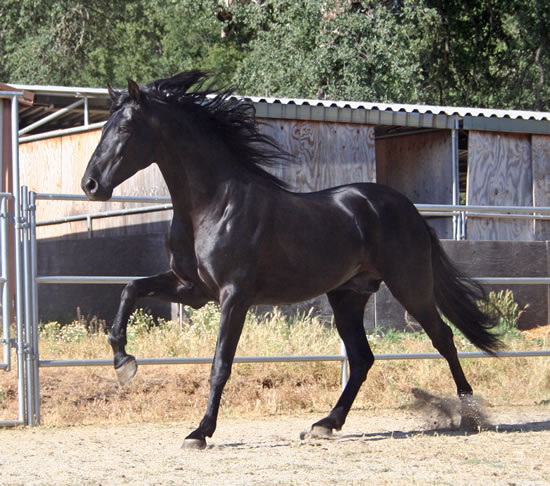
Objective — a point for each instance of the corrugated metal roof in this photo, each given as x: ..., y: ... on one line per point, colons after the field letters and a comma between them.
x: 409, y: 108
x: 51, y: 98
x: 395, y: 114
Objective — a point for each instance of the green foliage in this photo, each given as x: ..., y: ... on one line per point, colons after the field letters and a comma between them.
x: 482, y: 53
x: 502, y: 307
x: 205, y: 319
x: 140, y: 323
x: 70, y: 333
x: 332, y: 50
x: 90, y: 43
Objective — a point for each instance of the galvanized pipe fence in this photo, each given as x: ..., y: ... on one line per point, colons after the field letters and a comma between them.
x: 23, y: 244
x: 28, y: 331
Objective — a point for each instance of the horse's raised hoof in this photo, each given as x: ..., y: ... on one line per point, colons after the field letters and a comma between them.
x: 127, y: 370
x: 194, y: 444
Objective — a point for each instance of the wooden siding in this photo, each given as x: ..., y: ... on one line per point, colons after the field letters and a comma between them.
x: 499, y: 174
x: 540, y: 146
x: 419, y: 166
x: 327, y: 154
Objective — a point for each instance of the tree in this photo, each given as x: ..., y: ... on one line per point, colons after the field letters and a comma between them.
x: 492, y: 53
x: 479, y: 53
x: 93, y: 42
x: 335, y: 49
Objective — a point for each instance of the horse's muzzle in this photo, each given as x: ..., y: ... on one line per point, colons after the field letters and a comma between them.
x: 94, y: 190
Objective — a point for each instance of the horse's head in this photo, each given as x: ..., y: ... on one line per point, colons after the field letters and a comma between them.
x: 126, y: 144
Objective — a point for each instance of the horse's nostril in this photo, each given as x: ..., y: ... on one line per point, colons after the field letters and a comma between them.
x: 91, y: 185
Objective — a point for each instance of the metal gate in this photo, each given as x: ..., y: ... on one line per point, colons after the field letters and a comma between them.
x: 16, y: 267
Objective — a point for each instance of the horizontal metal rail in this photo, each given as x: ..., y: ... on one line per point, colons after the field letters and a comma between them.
x: 459, y: 208
x: 76, y: 279
x: 292, y: 359
x: 105, y: 214
x: 62, y: 131
x: 427, y: 208
x: 513, y: 280
x: 437, y: 210
x: 11, y: 94
x: 121, y: 199
x: 53, y: 116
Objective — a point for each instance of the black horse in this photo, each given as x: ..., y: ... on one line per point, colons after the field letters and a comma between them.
x: 240, y: 238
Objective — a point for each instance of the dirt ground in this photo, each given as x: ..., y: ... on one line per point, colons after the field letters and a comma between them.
x: 385, y: 446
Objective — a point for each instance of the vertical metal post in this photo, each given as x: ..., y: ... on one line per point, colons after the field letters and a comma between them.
x: 2, y: 188
x: 6, y: 305
x: 456, y: 181
x: 27, y: 288
x: 34, y: 301
x: 19, y: 307
x: 86, y: 112
x: 6, y: 363
x: 90, y: 229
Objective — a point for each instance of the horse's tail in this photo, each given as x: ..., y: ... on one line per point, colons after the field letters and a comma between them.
x: 457, y: 296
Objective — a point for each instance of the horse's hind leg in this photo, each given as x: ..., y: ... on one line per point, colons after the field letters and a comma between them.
x: 165, y: 286
x: 417, y: 298
x: 348, y: 307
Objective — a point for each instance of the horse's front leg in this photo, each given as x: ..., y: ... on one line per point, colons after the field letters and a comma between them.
x: 165, y: 286
x: 233, y: 314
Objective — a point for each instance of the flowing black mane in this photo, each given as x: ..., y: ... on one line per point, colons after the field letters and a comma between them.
x: 234, y: 119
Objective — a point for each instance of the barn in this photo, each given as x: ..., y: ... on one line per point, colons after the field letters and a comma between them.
x: 479, y: 176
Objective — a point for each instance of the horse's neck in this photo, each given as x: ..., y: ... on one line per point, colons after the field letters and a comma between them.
x: 195, y: 186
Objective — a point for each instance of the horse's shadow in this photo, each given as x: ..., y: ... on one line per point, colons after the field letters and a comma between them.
x: 540, y: 426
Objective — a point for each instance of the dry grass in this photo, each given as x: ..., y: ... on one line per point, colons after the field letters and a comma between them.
x: 177, y: 393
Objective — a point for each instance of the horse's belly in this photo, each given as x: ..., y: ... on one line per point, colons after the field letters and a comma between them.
x: 292, y: 287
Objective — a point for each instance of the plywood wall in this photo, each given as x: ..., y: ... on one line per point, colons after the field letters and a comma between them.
x: 504, y: 169
x: 56, y: 166
x: 327, y: 154
x: 540, y: 149
x: 500, y: 174
x: 421, y: 167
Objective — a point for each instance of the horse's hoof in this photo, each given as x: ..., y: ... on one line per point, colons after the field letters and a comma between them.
x: 470, y: 424
x: 194, y: 444
x: 127, y: 370
x: 320, y: 431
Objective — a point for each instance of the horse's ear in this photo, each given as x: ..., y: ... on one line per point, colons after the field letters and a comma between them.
x: 112, y: 93
x: 134, y: 91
